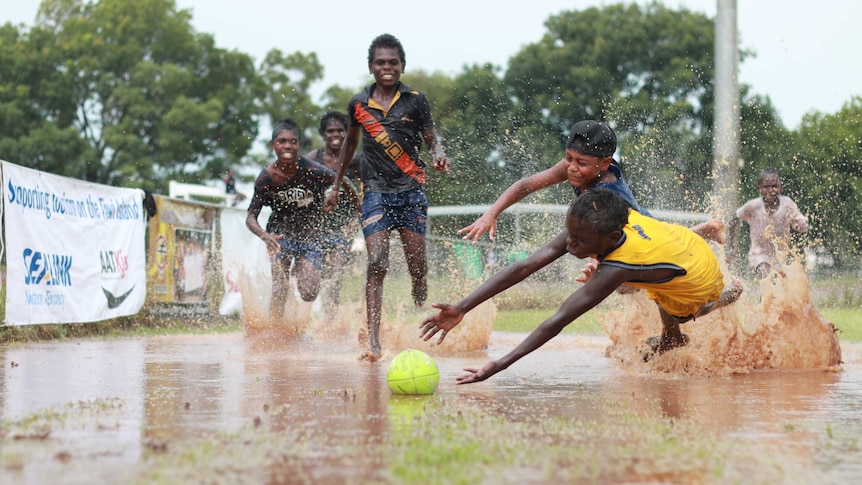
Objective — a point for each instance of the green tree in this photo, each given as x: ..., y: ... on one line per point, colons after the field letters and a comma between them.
x: 35, y: 127
x: 283, y: 86
x: 149, y: 99
x: 828, y: 167
x: 648, y: 71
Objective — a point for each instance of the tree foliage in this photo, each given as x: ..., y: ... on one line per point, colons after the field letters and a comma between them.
x: 645, y: 70
x: 283, y: 86
x: 125, y: 92
x: 138, y: 96
x: 828, y: 168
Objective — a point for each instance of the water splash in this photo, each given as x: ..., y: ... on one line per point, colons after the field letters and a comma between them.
x: 773, y: 326
x: 344, y: 325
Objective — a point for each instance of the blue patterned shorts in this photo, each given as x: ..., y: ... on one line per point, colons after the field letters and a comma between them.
x: 382, y: 212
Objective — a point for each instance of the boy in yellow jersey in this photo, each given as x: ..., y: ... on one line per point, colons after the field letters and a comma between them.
x: 674, y: 265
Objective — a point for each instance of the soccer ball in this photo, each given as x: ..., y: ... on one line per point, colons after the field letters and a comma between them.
x: 412, y: 372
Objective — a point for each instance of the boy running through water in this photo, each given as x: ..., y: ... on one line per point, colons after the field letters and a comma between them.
x: 394, y: 121
x: 293, y: 186
x: 770, y: 217
x: 340, y: 225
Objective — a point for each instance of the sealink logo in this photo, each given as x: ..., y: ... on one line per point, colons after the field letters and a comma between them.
x: 47, y: 269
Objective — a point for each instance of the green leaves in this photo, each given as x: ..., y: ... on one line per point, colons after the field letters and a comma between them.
x: 126, y: 92
x: 149, y: 98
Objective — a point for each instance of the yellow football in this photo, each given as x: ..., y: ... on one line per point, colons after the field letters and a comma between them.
x: 412, y: 372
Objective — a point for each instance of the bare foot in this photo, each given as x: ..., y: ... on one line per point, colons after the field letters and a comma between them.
x: 658, y: 345
x: 731, y: 293
x: 369, y: 356
x: 420, y: 293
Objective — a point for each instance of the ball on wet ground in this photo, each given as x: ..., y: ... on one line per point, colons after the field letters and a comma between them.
x: 412, y: 372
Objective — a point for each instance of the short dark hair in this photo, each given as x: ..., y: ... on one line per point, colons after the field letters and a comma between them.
x: 386, y: 41
x: 601, y: 208
x: 767, y: 172
x: 332, y: 116
x: 286, y: 124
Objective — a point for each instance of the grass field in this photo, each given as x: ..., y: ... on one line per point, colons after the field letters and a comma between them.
x: 520, y: 309
x: 837, y: 299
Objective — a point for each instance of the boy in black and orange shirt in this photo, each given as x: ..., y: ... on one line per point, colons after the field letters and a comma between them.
x: 394, y: 121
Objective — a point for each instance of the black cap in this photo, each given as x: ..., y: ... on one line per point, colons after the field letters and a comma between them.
x: 593, y: 138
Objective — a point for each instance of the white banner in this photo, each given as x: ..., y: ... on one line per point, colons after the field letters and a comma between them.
x: 244, y: 261
x: 75, y: 250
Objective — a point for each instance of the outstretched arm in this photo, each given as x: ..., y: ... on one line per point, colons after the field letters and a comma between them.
x: 450, y: 315
x: 602, y: 284
x: 514, y: 194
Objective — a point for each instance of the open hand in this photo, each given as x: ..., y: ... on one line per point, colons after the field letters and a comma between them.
x: 478, y: 375
x: 441, y: 164
x: 485, y: 223
x: 442, y: 322
x: 273, y: 243
x: 588, y: 272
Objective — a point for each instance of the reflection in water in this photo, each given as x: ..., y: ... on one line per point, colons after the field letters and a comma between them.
x: 304, y: 380
x: 184, y: 387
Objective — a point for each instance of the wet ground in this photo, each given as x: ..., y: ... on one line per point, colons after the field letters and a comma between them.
x: 117, y: 403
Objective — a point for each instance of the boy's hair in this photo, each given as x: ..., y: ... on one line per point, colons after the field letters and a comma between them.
x: 332, y: 116
x: 289, y: 125
x: 387, y: 41
x: 601, y: 208
x: 767, y: 172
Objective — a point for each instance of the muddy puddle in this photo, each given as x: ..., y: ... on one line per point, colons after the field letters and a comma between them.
x: 149, y: 394
x: 756, y: 395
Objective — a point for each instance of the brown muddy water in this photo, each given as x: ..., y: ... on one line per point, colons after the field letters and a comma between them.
x: 95, y: 411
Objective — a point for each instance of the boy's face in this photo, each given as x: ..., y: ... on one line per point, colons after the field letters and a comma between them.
x: 333, y: 135
x: 386, y: 66
x: 583, y: 241
x: 286, y: 146
x: 769, y: 187
x: 583, y: 170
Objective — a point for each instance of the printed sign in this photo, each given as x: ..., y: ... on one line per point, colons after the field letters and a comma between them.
x: 181, y: 245
x: 75, y: 249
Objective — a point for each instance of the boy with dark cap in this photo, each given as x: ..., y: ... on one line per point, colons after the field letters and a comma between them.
x: 588, y: 164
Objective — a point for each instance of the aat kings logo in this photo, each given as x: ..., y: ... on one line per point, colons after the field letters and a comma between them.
x: 115, y: 266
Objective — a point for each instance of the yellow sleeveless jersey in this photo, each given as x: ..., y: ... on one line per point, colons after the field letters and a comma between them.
x: 653, y: 244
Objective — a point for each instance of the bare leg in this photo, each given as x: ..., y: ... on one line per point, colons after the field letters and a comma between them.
x: 417, y: 264
x: 335, y: 264
x: 280, y: 287
x: 672, y: 337
x: 711, y: 231
x: 308, y: 279
x: 377, y: 246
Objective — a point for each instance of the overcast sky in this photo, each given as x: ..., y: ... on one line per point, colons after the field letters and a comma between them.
x: 807, y: 51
